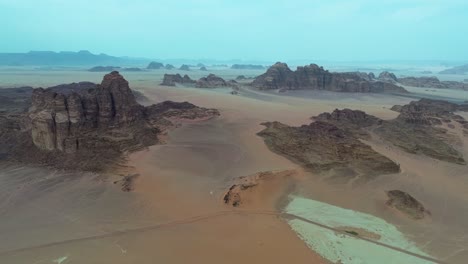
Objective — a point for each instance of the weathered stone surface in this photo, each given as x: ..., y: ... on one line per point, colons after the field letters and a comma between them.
x: 203, y: 68
x: 406, y: 204
x: 414, y: 130
x: 432, y: 82
x: 313, y: 77
x: 173, y: 79
x: 326, y: 149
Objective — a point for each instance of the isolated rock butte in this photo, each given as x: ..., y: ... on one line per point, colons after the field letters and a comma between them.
x: 57, y: 118
x: 88, y: 128
x: 313, y: 77
x: 406, y: 204
x: 172, y: 79
x: 169, y: 67
x: 211, y: 81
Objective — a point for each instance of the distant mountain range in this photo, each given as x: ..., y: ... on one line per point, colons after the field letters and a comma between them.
x: 65, y: 58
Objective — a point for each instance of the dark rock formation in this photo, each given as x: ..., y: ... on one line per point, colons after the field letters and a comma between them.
x: 414, y: 130
x: 350, y: 120
x: 387, y: 77
x: 169, y: 67
x: 463, y: 69
x: 155, y: 65
x: 200, y: 65
x: 240, y: 78
x: 211, y: 81
x: 247, y: 67
x: 313, y: 77
x: 326, y: 149
x: 172, y: 79
x: 432, y: 82
x: 15, y: 99
x: 104, y: 68
x: 88, y: 128
x: 184, y: 67
x: 406, y: 204
x: 203, y: 68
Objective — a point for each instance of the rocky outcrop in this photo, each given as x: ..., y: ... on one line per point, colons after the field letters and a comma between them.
x: 415, y: 130
x: 169, y: 67
x: 155, y: 65
x: 406, y: 204
x: 328, y: 150
x: 203, y: 68
x: 247, y: 67
x: 313, y: 77
x: 173, y: 79
x: 15, y: 99
x: 184, y: 67
x: 351, y: 120
x: 432, y: 82
x: 463, y: 69
x: 387, y: 77
x: 89, y: 128
x: 211, y: 81
x: 58, y: 119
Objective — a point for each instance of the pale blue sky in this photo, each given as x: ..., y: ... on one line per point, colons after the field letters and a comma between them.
x: 335, y: 30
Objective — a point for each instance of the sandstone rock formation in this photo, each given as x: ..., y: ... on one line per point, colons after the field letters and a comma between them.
x: 89, y: 128
x: 313, y: 77
x: 203, y: 68
x: 387, y: 77
x: 327, y: 149
x: 406, y: 204
x: 260, y: 190
x: 155, y: 65
x: 211, y: 81
x: 432, y: 82
x: 414, y: 130
x: 173, y: 79
x: 169, y: 67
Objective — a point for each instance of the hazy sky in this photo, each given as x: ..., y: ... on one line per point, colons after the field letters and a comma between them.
x: 336, y: 30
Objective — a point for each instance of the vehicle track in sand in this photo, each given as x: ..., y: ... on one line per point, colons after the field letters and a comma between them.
x: 213, y: 215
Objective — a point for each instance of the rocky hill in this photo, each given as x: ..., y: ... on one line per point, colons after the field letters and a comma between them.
x: 88, y: 127
x: 313, y: 77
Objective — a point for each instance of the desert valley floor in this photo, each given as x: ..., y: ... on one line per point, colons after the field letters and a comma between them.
x: 176, y: 212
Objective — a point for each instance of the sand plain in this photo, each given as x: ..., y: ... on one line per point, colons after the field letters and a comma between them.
x: 176, y: 214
